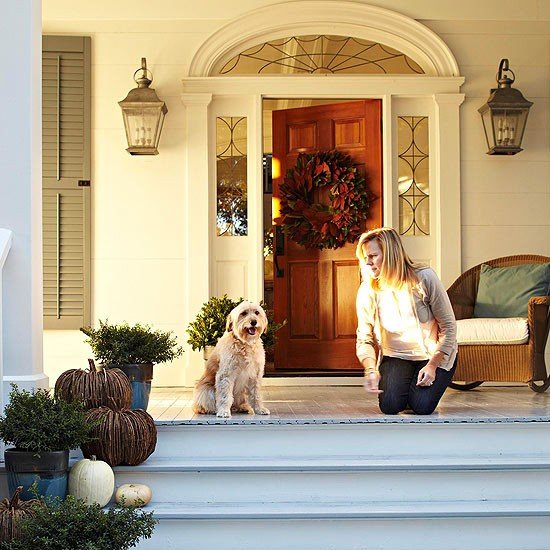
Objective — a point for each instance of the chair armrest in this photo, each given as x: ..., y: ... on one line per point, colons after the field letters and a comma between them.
x: 538, y: 319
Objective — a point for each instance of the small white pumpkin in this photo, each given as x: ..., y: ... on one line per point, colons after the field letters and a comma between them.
x: 92, y: 480
x: 133, y: 494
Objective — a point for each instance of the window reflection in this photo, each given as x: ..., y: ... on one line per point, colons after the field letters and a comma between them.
x: 231, y: 176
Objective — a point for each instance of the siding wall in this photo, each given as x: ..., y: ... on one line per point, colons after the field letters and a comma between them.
x: 138, y: 227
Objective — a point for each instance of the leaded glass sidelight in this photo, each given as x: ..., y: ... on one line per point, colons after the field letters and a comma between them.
x: 231, y: 179
x: 320, y: 54
x: 413, y: 175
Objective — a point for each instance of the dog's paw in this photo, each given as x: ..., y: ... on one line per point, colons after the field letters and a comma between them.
x: 262, y: 410
x: 223, y: 414
x: 247, y: 409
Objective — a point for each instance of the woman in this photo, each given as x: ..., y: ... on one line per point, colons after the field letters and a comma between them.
x: 406, y: 334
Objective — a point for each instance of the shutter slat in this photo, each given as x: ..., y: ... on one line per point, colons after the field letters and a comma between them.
x: 52, y: 147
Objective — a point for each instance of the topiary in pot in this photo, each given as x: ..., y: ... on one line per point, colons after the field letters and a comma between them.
x: 209, y: 324
x: 72, y: 524
x: 43, y: 430
x: 122, y: 436
x: 12, y: 511
x: 134, y: 350
x: 95, y: 387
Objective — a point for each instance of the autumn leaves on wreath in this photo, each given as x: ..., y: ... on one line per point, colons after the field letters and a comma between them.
x: 325, y: 201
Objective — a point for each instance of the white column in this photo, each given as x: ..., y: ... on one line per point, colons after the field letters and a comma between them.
x: 196, y: 208
x: 21, y: 192
x: 447, y: 169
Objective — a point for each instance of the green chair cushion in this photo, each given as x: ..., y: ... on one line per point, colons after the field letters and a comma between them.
x: 505, y: 291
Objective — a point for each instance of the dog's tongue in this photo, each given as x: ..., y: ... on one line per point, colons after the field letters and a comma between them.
x: 251, y: 330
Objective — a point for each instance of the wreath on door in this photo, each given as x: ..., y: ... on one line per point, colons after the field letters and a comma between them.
x: 331, y: 223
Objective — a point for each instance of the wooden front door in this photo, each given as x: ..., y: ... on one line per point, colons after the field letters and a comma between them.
x: 315, y: 289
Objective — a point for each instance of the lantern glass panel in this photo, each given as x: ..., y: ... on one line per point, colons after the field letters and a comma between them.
x: 487, y: 120
x: 143, y: 126
x: 508, y: 126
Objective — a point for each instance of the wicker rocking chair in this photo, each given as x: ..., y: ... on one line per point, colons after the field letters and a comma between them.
x: 502, y: 363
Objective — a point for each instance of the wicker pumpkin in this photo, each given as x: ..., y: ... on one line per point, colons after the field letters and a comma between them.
x: 95, y: 387
x: 121, y: 436
x: 11, y: 511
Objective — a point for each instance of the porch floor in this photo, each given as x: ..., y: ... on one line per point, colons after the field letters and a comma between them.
x: 350, y: 404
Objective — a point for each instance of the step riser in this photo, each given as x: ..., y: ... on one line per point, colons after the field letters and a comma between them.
x: 371, y: 486
x: 511, y: 533
x: 372, y: 440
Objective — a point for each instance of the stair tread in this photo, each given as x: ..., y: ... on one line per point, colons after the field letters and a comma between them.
x: 334, y: 510
x: 337, y: 464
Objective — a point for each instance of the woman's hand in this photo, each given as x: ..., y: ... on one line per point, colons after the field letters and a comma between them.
x: 426, y: 375
x: 371, y: 382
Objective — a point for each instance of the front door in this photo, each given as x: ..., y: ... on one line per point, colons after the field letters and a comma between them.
x: 315, y: 289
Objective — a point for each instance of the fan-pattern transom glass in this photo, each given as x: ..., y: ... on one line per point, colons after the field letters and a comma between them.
x: 413, y: 175
x: 231, y: 188
x: 318, y: 54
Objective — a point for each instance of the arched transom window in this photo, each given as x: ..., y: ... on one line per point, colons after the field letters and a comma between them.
x: 314, y: 54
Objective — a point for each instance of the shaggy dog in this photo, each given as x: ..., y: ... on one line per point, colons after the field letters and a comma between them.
x: 233, y: 376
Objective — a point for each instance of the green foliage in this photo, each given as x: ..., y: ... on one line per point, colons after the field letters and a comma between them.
x: 71, y: 524
x: 270, y: 337
x: 131, y: 345
x: 36, y: 421
x: 268, y: 242
x: 209, y: 324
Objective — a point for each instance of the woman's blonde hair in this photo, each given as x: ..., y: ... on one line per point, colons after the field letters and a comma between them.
x: 397, y: 269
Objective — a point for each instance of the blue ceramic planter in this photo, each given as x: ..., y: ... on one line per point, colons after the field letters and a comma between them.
x: 140, y: 377
x: 47, y: 471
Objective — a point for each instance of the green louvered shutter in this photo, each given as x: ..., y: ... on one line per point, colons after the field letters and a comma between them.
x: 66, y: 135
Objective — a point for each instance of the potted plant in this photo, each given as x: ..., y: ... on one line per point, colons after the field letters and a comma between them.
x: 43, y: 429
x: 134, y: 350
x: 70, y: 524
x: 209, y: 325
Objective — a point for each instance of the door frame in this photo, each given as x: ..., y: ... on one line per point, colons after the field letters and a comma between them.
x: 209, y: 97
x: 205, y: 97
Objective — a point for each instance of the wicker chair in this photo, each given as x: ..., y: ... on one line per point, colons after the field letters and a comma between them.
x: 502, y: 363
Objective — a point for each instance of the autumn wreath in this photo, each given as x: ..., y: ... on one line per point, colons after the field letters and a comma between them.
x: 335, y: 221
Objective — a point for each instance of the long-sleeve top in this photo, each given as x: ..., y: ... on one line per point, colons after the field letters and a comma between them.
x: 421, y: 323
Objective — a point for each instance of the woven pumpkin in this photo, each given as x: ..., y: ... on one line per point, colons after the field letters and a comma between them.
x: 11, y: 512
x: 121, y: 436
x: 95, y: 387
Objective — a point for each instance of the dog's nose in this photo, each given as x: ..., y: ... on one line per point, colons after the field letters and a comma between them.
x: 253, y: 322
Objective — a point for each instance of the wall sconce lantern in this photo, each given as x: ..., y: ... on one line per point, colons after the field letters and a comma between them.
x: 143, y: 113
x: 504, y: 115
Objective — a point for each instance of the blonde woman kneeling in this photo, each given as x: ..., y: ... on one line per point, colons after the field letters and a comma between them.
x: 406, y: 334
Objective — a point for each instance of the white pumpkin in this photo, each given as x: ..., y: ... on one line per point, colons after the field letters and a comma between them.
x: 92, y: 480
x: 133, y: 494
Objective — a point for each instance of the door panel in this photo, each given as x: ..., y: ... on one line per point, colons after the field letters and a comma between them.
x: 315, y: 289
x: 301, y: 138
x: 345, y: 320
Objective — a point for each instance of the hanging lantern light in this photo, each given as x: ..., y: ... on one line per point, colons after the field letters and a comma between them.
x: 143, y: 113
x: 504, y: 115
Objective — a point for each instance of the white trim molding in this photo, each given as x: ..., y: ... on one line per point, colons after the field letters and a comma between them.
x: 323, y: 86
x: 447, y: 168
x: 6, y: 237
x: 196, y: 212
x: 332, y: 17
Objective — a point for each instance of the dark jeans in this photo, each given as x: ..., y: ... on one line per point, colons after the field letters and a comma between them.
x: 400, y: 392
